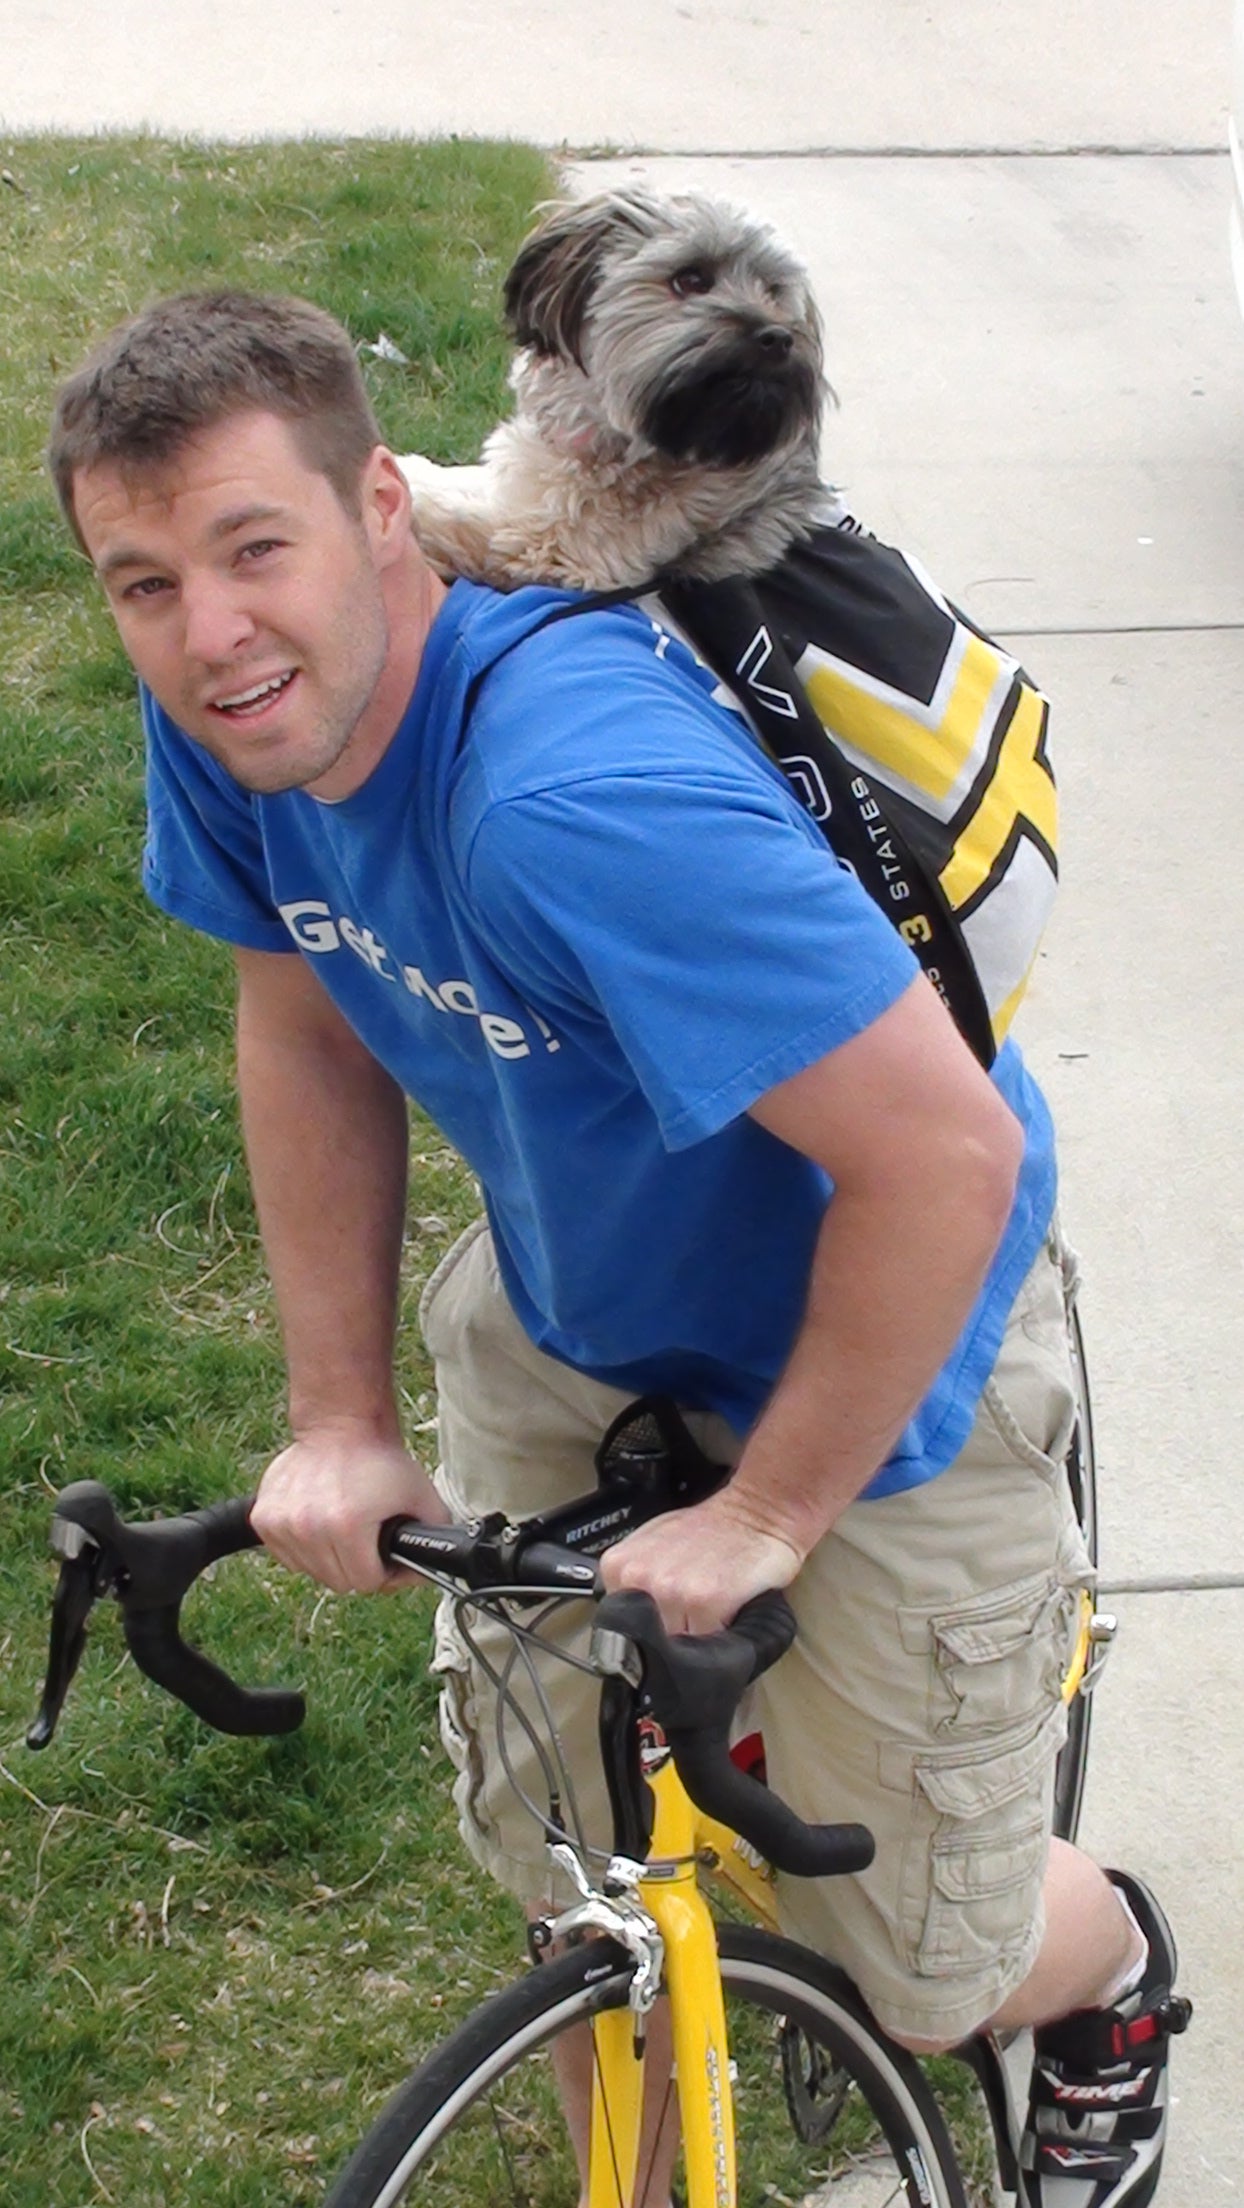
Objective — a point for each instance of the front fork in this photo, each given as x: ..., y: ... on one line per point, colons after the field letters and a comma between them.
x: 657, y: 1913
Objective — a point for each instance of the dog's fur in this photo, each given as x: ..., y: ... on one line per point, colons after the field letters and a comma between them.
x: 668, y: 390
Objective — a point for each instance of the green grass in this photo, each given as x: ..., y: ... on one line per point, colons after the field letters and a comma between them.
x: 215, y: 1954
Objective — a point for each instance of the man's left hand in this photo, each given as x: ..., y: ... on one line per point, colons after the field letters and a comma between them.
x: 701, y: 1565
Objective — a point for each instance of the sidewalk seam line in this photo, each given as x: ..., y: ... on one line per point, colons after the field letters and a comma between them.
x: 1190, y: 1583
x: 1159, y: 150
x: 1126, y: 628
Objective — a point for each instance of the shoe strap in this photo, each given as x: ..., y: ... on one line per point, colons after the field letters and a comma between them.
x: 1096, y: 2038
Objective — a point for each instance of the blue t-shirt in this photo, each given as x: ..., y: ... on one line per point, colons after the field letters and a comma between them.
x: 585, y: 923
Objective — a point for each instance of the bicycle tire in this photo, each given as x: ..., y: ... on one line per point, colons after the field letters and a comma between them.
x: 818, y: 2089
x: 1072, y: 1766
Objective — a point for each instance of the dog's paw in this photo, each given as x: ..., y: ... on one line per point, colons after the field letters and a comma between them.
x: 424, y: 475
x: 449, y: 516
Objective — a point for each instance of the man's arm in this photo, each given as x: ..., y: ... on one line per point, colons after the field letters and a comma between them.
x: 325, y: 1131
x: 924, y: 1155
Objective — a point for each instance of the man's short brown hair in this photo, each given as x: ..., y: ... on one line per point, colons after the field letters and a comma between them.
x: 188, y: 363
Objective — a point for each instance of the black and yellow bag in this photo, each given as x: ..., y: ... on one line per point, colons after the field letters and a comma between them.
x: 916, y: 742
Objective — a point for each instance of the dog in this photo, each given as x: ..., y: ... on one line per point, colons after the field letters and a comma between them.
x: 669, y: 390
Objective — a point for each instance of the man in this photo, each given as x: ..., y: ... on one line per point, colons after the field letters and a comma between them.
x: 526, y: 870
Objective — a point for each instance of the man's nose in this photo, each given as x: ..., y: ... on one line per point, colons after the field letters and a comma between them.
x: 217, y: 622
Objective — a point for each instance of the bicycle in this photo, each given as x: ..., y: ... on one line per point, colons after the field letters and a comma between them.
x: 784, y: 2083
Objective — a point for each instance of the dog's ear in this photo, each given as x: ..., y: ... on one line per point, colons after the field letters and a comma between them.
x: 557, y: 269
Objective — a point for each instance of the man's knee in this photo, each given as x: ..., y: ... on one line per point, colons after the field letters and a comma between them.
x: 914, y: 2045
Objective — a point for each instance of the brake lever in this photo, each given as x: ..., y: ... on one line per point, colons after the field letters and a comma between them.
x: 149, y: 1569
x: 77, y: 1589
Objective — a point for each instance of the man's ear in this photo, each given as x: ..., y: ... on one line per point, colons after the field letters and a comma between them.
x: 385, y: 499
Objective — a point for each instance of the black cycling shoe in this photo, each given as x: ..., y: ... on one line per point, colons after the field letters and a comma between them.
x: 1097, y: 2114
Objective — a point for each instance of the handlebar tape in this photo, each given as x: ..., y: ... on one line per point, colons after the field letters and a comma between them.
x: 695, y: 1684
x: 156, y: 1645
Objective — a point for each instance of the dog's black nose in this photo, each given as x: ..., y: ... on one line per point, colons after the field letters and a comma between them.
x: 774, y: 340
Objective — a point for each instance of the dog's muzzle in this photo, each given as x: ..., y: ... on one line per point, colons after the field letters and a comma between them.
x: 726, y: 407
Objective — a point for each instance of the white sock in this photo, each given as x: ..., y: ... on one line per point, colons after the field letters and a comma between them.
x: 1132, y: 1974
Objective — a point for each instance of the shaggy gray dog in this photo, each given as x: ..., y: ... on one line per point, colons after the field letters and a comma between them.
x: 668, y: 388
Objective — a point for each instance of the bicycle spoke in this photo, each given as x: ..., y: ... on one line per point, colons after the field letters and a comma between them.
x: 501, y: 2122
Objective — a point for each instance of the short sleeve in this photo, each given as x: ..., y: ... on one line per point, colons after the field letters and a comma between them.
x: 704, y: 919
x: 204, y: 858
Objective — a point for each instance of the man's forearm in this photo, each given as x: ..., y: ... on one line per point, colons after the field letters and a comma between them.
x: 893, y: 1282
x: 924, y: 1154
x: 326, y: 1141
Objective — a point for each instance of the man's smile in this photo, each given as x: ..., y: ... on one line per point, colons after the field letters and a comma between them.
x: 253, y: 703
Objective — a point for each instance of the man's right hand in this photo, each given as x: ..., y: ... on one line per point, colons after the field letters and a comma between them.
x: 322, y: 1502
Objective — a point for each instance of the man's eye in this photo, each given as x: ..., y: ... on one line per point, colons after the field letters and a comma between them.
x: 147, y: 586
x: 260, y: 545
x: 691, y: 283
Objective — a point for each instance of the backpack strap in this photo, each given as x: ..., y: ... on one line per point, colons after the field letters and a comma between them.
x: 727, y: 622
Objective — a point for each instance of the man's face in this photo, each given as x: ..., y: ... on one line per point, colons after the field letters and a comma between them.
x: 250, y: 603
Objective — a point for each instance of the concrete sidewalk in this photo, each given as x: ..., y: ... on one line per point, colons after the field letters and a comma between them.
x: 727, y: 75
x: 1017, y: 222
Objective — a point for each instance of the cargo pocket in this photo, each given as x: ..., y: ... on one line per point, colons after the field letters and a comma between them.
x: 974, y: 1865
x: 1029, y: 1399
x: 459, y: 1729
x: 998, y: 1659
x: 440, y: 1279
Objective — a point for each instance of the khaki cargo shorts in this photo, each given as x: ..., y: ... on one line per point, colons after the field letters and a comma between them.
x: 921, y: 1697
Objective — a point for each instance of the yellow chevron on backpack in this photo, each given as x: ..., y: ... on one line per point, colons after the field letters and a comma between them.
x: 945, y: 723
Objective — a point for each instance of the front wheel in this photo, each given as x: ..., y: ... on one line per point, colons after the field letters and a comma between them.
x: 822, y: 2099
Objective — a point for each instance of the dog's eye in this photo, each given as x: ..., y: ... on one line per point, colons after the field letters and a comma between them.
x: 691, y: 283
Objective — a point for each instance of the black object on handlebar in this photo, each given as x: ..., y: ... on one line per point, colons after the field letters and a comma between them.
x: 486, y: 1553
x: 149, y: 1568
x: 694, y: 1684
